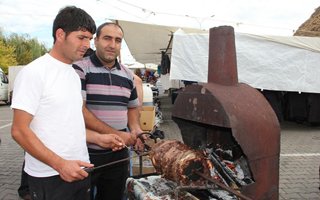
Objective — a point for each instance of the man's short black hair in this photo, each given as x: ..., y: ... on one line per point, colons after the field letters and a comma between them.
x: 71, y: 19
x: 107, y: 24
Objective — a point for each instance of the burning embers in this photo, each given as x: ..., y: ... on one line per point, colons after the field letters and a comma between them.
x: 232, y: 172
x: 194, y: 171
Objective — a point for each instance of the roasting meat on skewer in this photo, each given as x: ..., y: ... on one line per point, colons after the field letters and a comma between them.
x: 177, y: 162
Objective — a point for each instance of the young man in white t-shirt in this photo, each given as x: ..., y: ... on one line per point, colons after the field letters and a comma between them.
x: 48, y: 121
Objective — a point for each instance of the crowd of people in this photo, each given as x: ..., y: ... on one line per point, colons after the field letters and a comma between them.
x: 80, y: 111
x: 147, y: 75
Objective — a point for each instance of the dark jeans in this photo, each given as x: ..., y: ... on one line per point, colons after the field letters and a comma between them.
x: 109, y: 181
x: 54, y: 188
x: 23, y: 189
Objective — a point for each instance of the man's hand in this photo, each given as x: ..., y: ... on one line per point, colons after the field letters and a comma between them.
x: 111, y: 141
x: 129, y: 139
x: 139, y: 145
x: 72, y: 170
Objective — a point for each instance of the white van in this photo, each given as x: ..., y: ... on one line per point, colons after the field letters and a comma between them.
x: 4, y: 87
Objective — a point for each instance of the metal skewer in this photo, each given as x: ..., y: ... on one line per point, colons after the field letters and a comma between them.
x: 91, y: 169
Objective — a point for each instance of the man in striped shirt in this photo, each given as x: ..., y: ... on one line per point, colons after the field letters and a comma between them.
x: 111, y: 107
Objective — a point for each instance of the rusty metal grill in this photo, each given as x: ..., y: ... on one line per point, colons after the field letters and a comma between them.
x: 224, y: 109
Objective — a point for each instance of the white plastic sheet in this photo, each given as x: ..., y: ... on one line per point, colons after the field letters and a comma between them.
x: 264, y: 62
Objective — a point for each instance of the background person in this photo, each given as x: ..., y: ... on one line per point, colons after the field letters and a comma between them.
x: 139, y: 87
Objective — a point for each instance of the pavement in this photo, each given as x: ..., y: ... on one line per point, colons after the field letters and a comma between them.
x: 299, y: 156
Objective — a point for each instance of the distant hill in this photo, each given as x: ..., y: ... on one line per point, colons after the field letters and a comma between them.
x: 311, y: 27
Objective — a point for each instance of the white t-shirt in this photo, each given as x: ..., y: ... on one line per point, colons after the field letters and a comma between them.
x: 51, y: 91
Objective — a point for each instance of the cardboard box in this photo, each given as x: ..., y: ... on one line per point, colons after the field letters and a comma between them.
x: 147, y: 118
x: 147, y: 167
x: 145, y: 170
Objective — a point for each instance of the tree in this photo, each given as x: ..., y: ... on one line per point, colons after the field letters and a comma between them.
x: 19, y: 49
x: 22, y: 48
x: 37, y: 48
x: 7, y: 56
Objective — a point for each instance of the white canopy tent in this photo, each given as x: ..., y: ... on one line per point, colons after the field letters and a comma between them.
x: 284, y: 63
x: 127, y: 59
x: 146, y: 41
x: 151, y: 66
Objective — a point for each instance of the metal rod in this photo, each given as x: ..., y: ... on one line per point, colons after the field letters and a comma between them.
x: 222, y: 186
x: 114, y: 162
x: 140, y: 165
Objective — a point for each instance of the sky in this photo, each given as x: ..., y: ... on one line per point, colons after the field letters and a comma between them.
x: 269, y: 17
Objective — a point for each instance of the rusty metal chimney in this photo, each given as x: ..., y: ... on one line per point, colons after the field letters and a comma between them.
x: 222, y: 57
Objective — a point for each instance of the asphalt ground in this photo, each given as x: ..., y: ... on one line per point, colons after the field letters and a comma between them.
x: 299, y: 156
